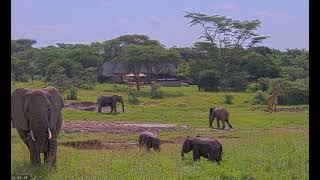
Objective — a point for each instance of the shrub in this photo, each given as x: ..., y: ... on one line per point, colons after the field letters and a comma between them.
x: 155, y: 92
x: 235, y: 81
x: 264, y: 83
x: 295, y: 93
x: 87, y: 86
x: 73, y: 94
x: 120, y: 88
x: 259, y: 98
x: 23, y: 78
x: 253, y: 87
x: 228, y: 99
x: 132, y: 95
x: 209, y: 80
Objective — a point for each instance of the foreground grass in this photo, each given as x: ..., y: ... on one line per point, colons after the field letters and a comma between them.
x: 258, y: 149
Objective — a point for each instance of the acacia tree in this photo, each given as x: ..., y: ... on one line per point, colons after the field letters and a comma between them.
x: 133, y: 56
x: 230, y: 36
x: 158, y: 59
x: 112, y: 48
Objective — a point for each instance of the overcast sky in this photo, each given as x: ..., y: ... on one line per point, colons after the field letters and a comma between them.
x: 85, y: 21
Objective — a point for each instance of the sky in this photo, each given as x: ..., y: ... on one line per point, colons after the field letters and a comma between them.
x: 85, y: 21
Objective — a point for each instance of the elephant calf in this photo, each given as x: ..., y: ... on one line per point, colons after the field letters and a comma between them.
x: 149, y: 140
x: 221, y: 114
x: 205, y: 147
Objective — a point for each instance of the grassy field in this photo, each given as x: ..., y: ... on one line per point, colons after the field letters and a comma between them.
x: 264, y: 145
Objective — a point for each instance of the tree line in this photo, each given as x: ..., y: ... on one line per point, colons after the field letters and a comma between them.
x: 227, y: 58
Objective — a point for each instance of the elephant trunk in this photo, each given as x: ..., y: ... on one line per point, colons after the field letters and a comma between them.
x: 182, y: 154
x: 52, y: 152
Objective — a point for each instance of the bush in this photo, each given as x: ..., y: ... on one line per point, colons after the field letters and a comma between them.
x: 295, y: 93
x: 253, y: 87
x: 73, y: 94
x: 120, y: 88
x: 155, y: 92
x: 228, y: 98
x: 23, y: 78
x: 132, y: 95
x: 209, y: 80
x: 259, y: 98
x: 264, y: 83
x: 235, y: 81
x: 87, y: 86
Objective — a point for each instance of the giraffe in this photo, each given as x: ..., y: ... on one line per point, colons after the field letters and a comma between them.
x: 272, y: 100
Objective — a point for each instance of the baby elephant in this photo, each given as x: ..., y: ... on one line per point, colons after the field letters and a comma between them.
x: 205, y: 147
x: 221, y: 114
x: 149, y: 140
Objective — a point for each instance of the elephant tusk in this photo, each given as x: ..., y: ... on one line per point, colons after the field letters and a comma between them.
x: 49, y: 132
x: 32, y: 137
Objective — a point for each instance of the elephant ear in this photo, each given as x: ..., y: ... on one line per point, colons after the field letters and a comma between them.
x: 57, y: 105
x: 18, y: 117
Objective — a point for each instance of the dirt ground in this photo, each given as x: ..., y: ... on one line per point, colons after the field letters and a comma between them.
x: 90, y: 106
x: 99, y: 145
x: 287, y: 109
x: 123, y: 128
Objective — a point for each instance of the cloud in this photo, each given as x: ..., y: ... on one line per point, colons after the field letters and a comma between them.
x: 224, y: 6
x: 154, y: 20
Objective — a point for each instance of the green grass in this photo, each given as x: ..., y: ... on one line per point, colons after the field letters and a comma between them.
x: 262, y: 147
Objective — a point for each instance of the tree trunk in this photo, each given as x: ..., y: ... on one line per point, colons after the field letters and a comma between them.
x: 198, y: 87
x: 137, y: 83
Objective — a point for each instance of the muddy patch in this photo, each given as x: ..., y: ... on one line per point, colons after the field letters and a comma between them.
x: 99, y: 145
x: 291, y: 109
x: 110, y: 145
x: 90, y: 106
x: 223, y: 130
x: 118, y: 128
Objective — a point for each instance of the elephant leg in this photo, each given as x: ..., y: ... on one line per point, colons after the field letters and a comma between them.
x: 111, y: 107
x: 229, y: 123
x: 99, y: 108
x: 196, y: 155
x: 223, y: 124
x: 218, y: 124
x: 115, y: 108
x: 210, y: 122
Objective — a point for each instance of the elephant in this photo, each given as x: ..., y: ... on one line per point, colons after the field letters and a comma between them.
x: 104, y: 101
x: 205, y: 147
x: 149, y: 140
x: 221, y: 114
x: 36, y: 115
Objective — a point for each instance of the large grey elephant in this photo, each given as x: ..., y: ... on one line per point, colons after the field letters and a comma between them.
x: 205, y: 147
x: 149, y: 140
x: 104, y: 101
x: 36, y: 115
x: 221, y: 114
